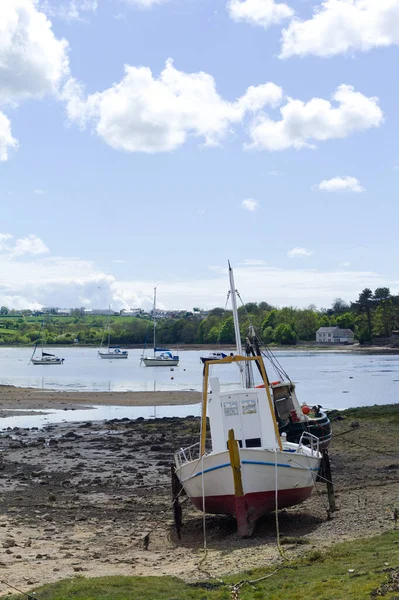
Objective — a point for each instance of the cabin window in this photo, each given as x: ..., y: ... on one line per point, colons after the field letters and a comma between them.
x: 239, y: 444
x: 230, y: 408
x: 249, y: 407
x: 253, y: 443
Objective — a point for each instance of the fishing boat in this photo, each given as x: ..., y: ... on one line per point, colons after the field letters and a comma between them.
x: 293, y: 419
x: 44, y: 358
x: 249, y: 468
x: 162, y: 357
x: 212, y: 356
x: 112, y: 352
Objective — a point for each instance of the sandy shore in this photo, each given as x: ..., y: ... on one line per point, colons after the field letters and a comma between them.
x: 36, y: 399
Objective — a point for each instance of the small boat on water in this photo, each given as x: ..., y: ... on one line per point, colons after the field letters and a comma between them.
x: 249, y: 468
x: 111, y: 352
x: 47, y: 359
x: 213, y: 356
x: 44, y: 358
x: 162, y: 357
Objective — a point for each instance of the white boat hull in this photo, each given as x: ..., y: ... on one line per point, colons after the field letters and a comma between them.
x: 38, y: 361
x: 112, y: 356
x: 160, y: 362
x: 212, y: 477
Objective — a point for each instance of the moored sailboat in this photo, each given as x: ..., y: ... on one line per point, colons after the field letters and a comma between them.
x: 44, y: 358
x: 162, y: 357
x: 250, y: 469
x: 112, y: 352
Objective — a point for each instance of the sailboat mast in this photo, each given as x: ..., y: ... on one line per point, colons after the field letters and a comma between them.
x: 233, y: 294
x: 153, y: 314
x: 109, y: 325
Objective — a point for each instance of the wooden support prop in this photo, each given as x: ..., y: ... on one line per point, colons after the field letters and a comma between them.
x: 243, y: 526
x: 176, y: 491
x: 330, y: 486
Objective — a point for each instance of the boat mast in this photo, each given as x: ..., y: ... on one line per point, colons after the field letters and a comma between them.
x: 233, y: 294
x: 153, y: 314
x: 109, y: 325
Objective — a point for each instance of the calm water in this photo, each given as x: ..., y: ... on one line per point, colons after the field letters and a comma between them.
x: 334, y: 380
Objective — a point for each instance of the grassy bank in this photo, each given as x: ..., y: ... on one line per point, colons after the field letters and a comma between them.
x: 350, y: 571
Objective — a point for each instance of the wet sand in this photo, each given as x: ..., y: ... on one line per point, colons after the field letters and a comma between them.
x: 80, y: 499
x: 36, y: 399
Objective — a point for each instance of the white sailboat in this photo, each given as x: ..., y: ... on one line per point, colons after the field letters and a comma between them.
x: 44, y: 358
x: 162, y: 357
x: 112, y: 352
x: 250, y: 469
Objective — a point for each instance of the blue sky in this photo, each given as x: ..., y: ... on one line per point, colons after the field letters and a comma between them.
x: 270, y: 140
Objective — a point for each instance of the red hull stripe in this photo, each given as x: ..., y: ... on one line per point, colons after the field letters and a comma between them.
x: 257, y: 503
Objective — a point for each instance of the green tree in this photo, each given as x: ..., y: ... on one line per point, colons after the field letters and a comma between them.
x: 270, y: 320
x: 4, y: 310
x: 346, y: 321
x: 364, y: 304
x: 285, y: 334
x: 227, y: 335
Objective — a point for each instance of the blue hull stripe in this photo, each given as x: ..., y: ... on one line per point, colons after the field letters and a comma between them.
x: 252, y: 462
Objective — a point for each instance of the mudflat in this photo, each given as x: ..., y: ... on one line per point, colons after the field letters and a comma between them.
x: 81, y: 499
x: 30, y: 398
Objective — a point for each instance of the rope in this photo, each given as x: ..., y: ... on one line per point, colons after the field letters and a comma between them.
x: 280, y: 549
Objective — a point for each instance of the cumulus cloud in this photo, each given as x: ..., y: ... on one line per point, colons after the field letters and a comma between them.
x: 31, y: 244
x: 339, y: 184
x: 7, y: 141
x: 299, y: 252
x: 259, y: 12
x: 143, y: 113
x: 340, y: 26
x: 33, y: 62
x: 281, y: 287
x: 303, y: 123
x: 250, y: 204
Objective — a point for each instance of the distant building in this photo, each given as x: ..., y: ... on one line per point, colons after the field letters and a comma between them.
x: 334, y: 335
x: 99, y: 311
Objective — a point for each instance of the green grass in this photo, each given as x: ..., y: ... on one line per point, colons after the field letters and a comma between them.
x: 375, y: 413
x: 317, y: 576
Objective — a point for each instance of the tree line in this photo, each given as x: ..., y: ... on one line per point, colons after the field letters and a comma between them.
x: 373, y: 315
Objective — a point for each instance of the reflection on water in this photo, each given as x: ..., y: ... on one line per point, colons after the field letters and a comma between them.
x: 98, y: 413
x: 332, y: 379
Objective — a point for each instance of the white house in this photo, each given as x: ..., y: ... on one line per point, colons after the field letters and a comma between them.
x: 334, y: 335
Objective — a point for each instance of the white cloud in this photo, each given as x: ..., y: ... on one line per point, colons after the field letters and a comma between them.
x: 33, y: 62
x: 30, y: 244
x: 281, y: 287
x: 299, y: 253
x: 40, y: 192
x: 7, y: 141
x: 339, y: 26
x: 31, y: 281
x: 301, y: 123
x: 142, y: 113
x: 259, y: 12
x: 250, y: 204
x: 339, y: 184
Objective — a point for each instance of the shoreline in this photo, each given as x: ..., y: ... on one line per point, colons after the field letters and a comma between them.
x: 300, y: 347
x: 20, y: 398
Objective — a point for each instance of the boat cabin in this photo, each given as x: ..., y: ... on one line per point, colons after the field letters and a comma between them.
x: 286, y: 402
x: 247, y: 411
